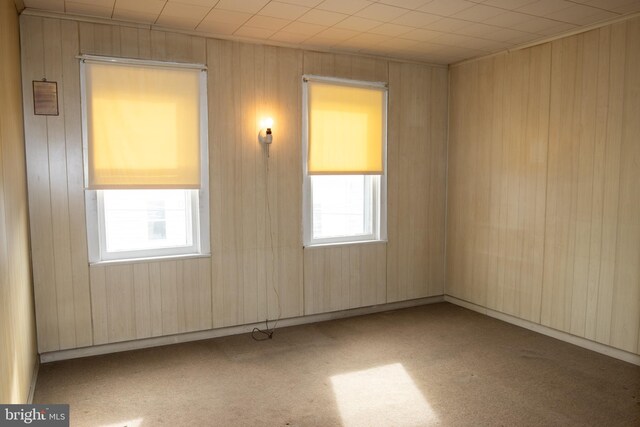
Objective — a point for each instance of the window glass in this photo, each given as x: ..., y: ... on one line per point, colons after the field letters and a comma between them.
x: 146, y: 219
x: 342, y: 205
x: 344, y: 159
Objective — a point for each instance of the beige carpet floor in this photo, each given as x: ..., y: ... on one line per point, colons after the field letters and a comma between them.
x: 432, y: 365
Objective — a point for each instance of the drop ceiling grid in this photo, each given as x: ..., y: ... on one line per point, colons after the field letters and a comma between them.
x: 437, y: 31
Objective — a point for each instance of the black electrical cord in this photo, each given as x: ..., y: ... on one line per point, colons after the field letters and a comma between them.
x: 266, y: 334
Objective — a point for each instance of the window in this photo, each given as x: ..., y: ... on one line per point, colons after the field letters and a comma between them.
x: 344, y: 160
x: 146, y: 171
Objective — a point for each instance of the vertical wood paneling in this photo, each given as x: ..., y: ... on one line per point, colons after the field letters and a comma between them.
x: 416, y: 164
x: 561, y: 218
x: 592, y: 279
x: 75, y: 183
x: 334, y: 276
x: 54, y: 147
x: 497, y: 183
x: 99, y: 310
x: 18, y: 348
x: 625, y: 322
x: 345, y: 276
x: 256, y: 268
x: 255, y: 199
x: 32, y: 33
x: 147, y: 299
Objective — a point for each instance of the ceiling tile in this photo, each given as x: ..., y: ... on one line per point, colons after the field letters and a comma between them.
x: 357, y: 24
x: 304, y: 28
x: 365, y: 40
x: 318, y: 42
x: 214, y: 27
x: 307, y: 3
x: 206, y: 3
x: 54, y: 5
x: 221, y: 16
x: 285, y: 37
x: 283, y: 10
x: 182, y: 15
x: 524, y: 38
x: 392, y: 30
x: 468, y: 42
x: 322, y: 17
x: 446, y: 7
x: 416, y: 19
x: 557, y: 28
x: 349, y: 7
x: 399, y: 44
x: 509, y: 35
x: 103, y: 3
x: 544, y: 7
x: 254, y: 33
x: 478, y: 13
x: 421, y: 35
x: 581, y: 15
x: 508, y: 4
x: 448, y: 25
x: 88, y: 9
x: 267, y: 22
x: 538, y: 24
x: 381, y: 12
x: 628, y: 8
x: 608, y: 4
x: 134, y: 16
x: 476, y: 29
x: 248, y: 6
x: 508, y: 19
x: 337, y: 34
x: 144, y: 6
x: 407, y: 4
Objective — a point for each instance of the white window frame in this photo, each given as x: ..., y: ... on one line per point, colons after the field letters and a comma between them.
x: 378, y: 182
x: 96, y: 242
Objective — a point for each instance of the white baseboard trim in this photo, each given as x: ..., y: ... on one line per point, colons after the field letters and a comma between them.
x: 545, y: 330
x: 34, y: 380
x: 231, y: 330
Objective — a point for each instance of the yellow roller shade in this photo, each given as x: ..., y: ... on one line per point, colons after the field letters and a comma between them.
x: 346, y: 129
x: 143, y: 126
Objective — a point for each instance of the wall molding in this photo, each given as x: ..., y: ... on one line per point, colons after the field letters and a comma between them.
x: 34, y: 380
x: 545, y: 330
x: 230, y: 330
x: 210, y: 35
x: 323, y: 317
x: 550, y: 39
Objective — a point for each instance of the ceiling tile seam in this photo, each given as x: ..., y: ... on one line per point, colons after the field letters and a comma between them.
x: 250, y: 18
x: 577, y: 3
x: 549, y: 39
x: 160, y: 13
x: 205, y: 15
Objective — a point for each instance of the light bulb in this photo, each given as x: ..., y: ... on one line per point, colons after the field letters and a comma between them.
x: 267, y: 123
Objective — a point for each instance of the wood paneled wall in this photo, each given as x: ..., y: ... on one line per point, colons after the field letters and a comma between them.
x: 417, y: 163
x: 18, y: 354
x: 337, y: 278
x: 258, y: 268
x: 543, y: 200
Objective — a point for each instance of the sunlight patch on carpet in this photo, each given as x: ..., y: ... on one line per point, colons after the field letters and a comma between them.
x: 129, y: 423
x: 385, y: 395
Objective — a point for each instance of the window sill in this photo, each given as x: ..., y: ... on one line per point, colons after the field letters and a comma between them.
x: 352, y: 243
x: 149, y: 259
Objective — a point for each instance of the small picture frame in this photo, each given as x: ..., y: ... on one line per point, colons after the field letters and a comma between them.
x: 45, y: 98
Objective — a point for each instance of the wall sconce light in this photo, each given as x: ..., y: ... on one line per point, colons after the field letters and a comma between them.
x: 265, y: 135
